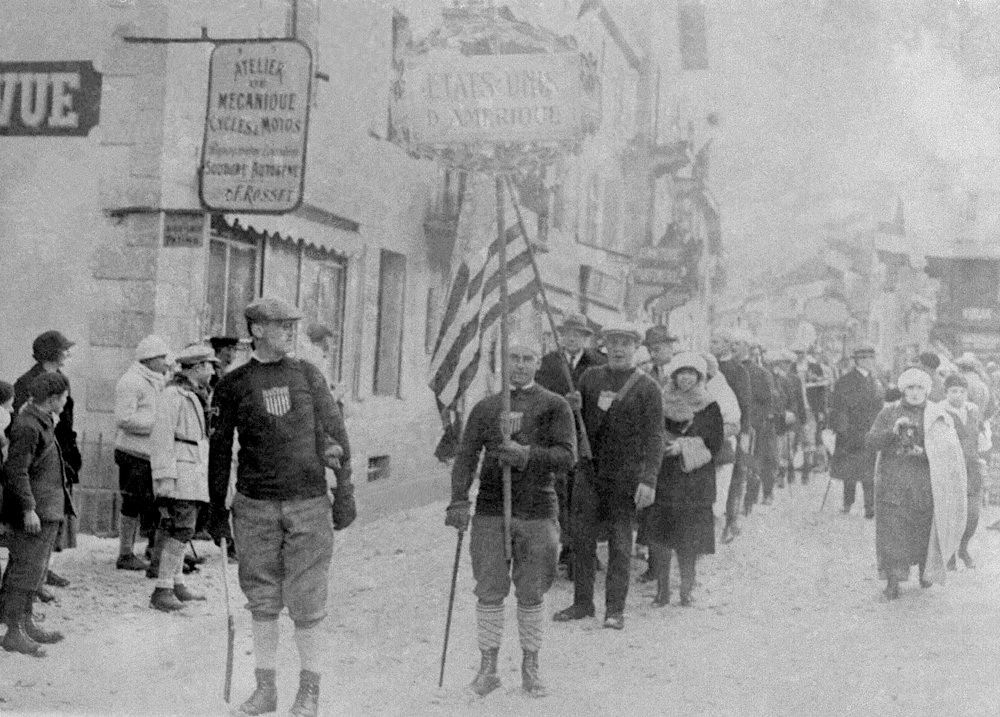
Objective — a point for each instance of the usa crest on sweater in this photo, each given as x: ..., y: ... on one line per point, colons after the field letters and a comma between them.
x: 277, y: 400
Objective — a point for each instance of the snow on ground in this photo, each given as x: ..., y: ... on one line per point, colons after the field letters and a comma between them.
x: 788, y: 620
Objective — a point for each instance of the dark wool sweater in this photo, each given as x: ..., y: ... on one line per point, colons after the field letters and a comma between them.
x: 275, y: 408
x: 546, y: 426
x: 64, y: 429
x: 34, y: 477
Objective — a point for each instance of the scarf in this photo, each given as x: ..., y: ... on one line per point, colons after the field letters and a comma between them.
x: 680, y: 406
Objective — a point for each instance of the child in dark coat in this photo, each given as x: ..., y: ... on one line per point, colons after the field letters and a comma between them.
x: 36, y: 500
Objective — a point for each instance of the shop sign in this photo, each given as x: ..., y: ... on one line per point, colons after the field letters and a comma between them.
x: 254, y: 154
x: 976, y: 314
x: 660, y: 275
x: 57, y: 99
x: 456, y: 99
x: 183, y: 229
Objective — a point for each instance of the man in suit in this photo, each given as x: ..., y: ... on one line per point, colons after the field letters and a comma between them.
x: 856, y: 401
x: 660, y: 345
x: 575, y: 356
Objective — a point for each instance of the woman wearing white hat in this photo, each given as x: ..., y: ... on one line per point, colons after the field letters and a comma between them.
x: 681, y: 517
x: 920, y: 501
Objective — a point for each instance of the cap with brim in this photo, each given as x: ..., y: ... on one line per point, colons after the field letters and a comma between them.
x: 576, y: 322
x: 863, y: 352
x: 222, y: 342
x: 621, y: 329
x: 658, y: 335
x: 195, y: 354
x: 271, y: 309
x: 151, y: 347
x: 914, y: 377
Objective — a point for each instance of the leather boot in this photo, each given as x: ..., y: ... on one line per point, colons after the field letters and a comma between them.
x: 663, y: 559
x: 265, y: 698
x: 487, y: 679
x: 531, y: 681
x: 17, y: 639
x: 687, y: 569
x: 307, y: 698
x: 42, y: 637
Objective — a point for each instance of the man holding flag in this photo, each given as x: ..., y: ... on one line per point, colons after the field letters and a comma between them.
x: 542, y: 442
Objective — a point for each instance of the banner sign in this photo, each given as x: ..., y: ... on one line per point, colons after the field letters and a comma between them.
x: 253, y: 158
x: 57, y: 99
x: 493, y: 98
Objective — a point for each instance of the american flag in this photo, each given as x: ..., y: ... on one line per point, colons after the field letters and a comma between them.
x: 473, y: 305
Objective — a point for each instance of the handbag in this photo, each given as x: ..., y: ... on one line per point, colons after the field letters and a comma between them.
x: 694, y: 453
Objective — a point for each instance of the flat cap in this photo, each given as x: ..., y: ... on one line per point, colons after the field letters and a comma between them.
x: 195, y: 354
x: 622, y: 328
x: 863, y: 352
x: 658, y: 335
x: 151, y: 347
x: 48, y: 345
x: 576, y: 322
x: 221, y: 342
x: 268, y: 308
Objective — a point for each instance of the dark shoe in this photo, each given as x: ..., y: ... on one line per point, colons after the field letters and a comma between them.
x: 846, y: 509
x: 131, y: 562
x: 486, y: 679
x: 17, y: 638
x: 36, y: 633
x: 152, y: 573
x: 869, y: 514
x: 531, y: 682
x: 44, y: 595
x: 891, y: 591
x: 967, y: 559
x: 265, y: 698
x: 614, y: 621
x: 662, y: 598
x: 307, y: 698
x: 193, y: 560
x: 952, y: 564
x: 686, y: 599
x: 767, y: 501
x: 646, y: 577
x: 54, y: 580
x: 184, y: 594
x: 994, y: 526
x: 164, y: 600
x: 574, y: 612
x: 925, y: 583
x: 730, y: 532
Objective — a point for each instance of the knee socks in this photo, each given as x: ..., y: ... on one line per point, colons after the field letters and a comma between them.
x: 489, y: 626
x: 171, y: 563
x: 529, y: 626
x: 126, y: 534
x: 309, y: 642
x: 265, y: 643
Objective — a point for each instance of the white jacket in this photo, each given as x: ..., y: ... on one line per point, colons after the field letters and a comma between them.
x: 718, y: 388
x: 135, y: 408
x: 179, y: 445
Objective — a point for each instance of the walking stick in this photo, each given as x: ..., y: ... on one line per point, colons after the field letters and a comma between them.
x: 451, y: 603
x: 826, y: 493
x: 230, y: 627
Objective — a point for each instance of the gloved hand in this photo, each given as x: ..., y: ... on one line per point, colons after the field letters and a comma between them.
x: 513, y: 454
x: 457, y: 515
x: 644, y: 496
x: 344, y: 509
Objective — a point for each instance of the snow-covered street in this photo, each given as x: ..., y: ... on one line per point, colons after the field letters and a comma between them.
x: 788, y: 620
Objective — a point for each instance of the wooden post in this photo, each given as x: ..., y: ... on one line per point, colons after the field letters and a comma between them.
x: 505, y: 426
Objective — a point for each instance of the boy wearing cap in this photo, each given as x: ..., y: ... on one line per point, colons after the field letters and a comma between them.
x: 179, y: 464
x: 623, y: 414
x: 36, y: 501
x: 135, y: 413
x: 51, y: 351
x: 543, y: 442
x: 290, y: 431
x: 856, y: 400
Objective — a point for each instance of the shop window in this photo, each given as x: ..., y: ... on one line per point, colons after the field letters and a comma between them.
x: 389, y: 328
x: 232, y: 280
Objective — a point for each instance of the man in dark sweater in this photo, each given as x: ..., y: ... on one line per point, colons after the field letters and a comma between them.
x: 289, y: 432
x: 764, y: 400
x: 542, y: 442
x: 623, y: 413
x: 575, y: 357
x: 721, y: 345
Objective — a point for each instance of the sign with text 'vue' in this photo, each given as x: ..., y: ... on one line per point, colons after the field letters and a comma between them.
x: 493, y: 98
x: 49, y: 98
x: 254, y: 155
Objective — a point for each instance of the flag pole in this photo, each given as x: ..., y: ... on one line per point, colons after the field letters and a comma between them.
x: 505, y: 423
x: 584, y: 448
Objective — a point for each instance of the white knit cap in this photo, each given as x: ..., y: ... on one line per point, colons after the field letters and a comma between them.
x: 914, y: 377
x: 687, y: 359
x: 151, y: 347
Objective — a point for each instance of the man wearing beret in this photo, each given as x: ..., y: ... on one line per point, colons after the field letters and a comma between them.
x: 623, y: 414
x: 855, y: 402
x: 51, y: 351
x: 178, y: 458
x: 575, y: 357
x: 542, y: 442
x: 290, y: 431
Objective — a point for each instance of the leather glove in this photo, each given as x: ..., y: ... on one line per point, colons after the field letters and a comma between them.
x: 344, y: 509
x: 513, y: 454
x: 457, y: 515
x: 644, y: 496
